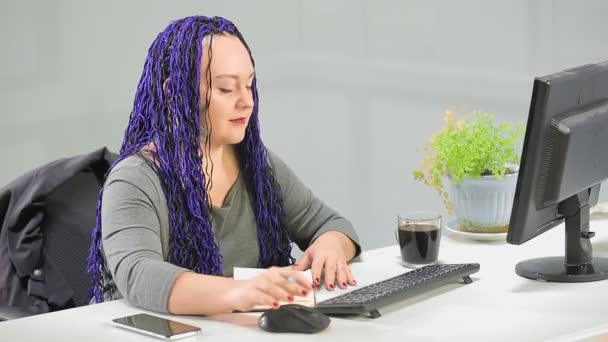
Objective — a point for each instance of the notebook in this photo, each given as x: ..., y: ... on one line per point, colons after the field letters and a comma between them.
x: 244, y: 273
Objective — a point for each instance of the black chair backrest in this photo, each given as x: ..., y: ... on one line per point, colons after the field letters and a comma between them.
x: 69, y: 221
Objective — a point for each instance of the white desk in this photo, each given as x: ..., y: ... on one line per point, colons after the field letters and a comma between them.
x: 497, y: 306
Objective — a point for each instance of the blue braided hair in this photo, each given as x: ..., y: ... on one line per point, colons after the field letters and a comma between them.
x: 167, y: 115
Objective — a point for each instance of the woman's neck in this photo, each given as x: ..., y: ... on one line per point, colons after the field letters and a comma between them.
x: 223, y: 157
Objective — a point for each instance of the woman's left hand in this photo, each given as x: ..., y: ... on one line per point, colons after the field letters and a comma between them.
x: 328, y: 256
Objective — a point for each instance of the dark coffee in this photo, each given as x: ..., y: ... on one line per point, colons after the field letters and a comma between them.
x: 419, y: 243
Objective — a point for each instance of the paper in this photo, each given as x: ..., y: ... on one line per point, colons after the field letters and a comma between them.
x: 242, y: 273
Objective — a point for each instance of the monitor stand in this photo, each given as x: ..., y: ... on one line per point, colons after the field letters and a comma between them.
x: 579, y: 265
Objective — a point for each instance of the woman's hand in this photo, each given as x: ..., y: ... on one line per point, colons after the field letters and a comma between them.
x: 268, y: 288
x: 328, y: 256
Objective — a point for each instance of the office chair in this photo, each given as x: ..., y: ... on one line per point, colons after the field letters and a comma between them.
x: 69, y: 218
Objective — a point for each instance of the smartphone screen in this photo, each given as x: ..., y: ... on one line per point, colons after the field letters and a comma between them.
x: 156, y: 326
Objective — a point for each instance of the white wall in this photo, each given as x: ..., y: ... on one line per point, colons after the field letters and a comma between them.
x: 349, y: 89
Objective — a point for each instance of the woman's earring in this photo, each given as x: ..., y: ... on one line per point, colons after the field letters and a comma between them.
x: 165, y: 85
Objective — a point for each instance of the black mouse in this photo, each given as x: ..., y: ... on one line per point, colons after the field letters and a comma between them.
x: 293, y: 318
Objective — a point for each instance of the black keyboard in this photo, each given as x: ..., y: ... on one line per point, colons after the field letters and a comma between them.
x: 371, y: 297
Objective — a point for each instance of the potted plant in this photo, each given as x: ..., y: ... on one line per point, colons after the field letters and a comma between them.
x: 480, y: 160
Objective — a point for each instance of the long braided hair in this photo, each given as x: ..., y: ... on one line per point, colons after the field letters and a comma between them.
x: 167, y: 115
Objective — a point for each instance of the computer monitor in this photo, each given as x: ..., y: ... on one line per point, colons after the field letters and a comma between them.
x: 564, y: 160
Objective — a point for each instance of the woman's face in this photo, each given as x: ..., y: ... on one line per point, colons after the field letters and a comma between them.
x: 231, y: 97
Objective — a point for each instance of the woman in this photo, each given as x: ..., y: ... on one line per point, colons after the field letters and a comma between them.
x: 195, y: 192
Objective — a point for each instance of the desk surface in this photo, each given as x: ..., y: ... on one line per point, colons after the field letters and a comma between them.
x: 497, y: 306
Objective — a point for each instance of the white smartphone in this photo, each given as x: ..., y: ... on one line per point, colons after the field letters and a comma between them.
x: 156, y: 326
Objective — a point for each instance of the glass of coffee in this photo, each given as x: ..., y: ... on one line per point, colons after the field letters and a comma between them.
x: 418, y: 234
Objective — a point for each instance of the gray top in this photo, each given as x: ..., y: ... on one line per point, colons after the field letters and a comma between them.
x: 135, y: 228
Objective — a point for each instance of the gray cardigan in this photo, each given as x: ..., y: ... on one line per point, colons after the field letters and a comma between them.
x: 135, y: 228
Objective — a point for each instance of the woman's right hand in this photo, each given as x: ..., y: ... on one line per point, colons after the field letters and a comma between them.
x: 268, y: 288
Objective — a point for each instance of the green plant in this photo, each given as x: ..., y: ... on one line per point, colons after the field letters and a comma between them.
x: 471, y: 147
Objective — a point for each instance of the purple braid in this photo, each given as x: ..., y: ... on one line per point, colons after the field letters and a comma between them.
x: 167, y: 114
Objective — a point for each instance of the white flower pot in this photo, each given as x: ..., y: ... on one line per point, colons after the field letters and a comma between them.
x: 484, y: 204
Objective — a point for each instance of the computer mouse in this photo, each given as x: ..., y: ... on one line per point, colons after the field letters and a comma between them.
x: 293, y: 318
